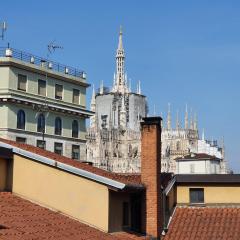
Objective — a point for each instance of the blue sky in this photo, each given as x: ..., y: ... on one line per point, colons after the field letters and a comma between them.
x: 182, y: 51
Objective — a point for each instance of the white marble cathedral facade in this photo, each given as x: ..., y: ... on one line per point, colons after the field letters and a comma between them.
x: 180, y: 141
x: 113, y: 138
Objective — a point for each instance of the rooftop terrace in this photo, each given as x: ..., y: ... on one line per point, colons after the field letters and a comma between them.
x: 41, y: 62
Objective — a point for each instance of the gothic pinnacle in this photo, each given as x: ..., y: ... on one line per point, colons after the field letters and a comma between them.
x: 169, y: 117
x: 186, y: 118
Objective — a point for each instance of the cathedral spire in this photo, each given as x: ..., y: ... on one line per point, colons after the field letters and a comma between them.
x: 195, y: 124
x: 101, y: 87
x: 169, y: 117
x: 93, y: 108
x: 186, y: 118
x: 223, y: 148
x: 177, y: 121
x: 191, y: 120
x: 120, y: 81
x: 203, y: 135
x: 120, y: 44
x: 129, y: 85
x: 139, y: 87
x: 93, y: 101
x: 123, y: 115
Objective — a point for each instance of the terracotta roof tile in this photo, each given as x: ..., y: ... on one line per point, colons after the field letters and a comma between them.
x: 208, y: 223
x: 23, y: 220
x: 132, y: 179
x: 198, y: 156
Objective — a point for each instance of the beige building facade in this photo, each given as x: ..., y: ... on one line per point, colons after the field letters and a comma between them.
x: 43, y: 103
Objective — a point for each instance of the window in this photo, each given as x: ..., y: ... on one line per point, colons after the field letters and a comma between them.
x: 125, y: 214
x: 41, y: 123
x: 178, y: 146
x: 76, y: 95
x: 58, y: 148
x: 196, y: 195
x: 20, y: 140
x: 58, y: 91
x: 75, y: 129
x: 21, y: 119
x: 22, y: 82
x: 76, y: 152
x: 41, y: 144
x: 41, y: 87
x: 58, y: 126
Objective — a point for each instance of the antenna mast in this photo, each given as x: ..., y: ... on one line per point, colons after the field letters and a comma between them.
x: 3, y: 29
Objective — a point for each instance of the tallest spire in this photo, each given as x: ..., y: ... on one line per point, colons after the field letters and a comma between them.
x: 120, y: 44
x: 120, y: 81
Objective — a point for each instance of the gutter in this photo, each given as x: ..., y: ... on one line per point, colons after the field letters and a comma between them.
x: 65, y: 167
x: 169, y: 186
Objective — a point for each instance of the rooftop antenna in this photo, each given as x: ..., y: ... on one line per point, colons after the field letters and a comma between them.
x: 3, y: 29
x: 52, y: 47
x: 44, y: 108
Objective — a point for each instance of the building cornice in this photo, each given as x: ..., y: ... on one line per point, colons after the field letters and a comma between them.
x: 12, y: 62
x: 27, y: 99
x: 46, y: 135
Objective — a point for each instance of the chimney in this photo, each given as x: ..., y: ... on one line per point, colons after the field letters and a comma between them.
x: 150, y: 174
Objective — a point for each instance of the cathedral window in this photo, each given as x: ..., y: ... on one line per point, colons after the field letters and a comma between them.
x: 178, y: 146
x: 58, y: 126
x: 75, y: 129
x: 21, y: 119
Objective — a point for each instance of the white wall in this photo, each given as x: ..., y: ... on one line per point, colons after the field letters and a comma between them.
x: 198, y: 167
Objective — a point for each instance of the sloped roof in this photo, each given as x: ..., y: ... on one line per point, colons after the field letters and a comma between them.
x: 198, y: 156
x: 207, y: 223
x: 128, y: 179
x: 24, y: 220
x: 208, y: 178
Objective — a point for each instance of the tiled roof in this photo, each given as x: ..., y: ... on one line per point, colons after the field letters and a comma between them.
x: 198, y: 156
x: 23, y: 220
x: 131, y: 179
x: 208, y: 178
x: 205, y: 223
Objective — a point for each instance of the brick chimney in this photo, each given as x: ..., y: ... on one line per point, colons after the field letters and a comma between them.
x: 150, y: 174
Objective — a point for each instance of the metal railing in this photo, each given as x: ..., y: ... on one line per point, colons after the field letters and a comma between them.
x: 42, y: 62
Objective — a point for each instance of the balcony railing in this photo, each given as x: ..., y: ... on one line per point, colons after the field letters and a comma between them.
x: 42, y: 62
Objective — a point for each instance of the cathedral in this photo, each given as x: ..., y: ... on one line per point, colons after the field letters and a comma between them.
x: 113, y: 139
x: 180, y: 141
x: 114, y: 136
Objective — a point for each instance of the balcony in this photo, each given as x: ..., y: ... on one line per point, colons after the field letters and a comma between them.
x: 41, y: 62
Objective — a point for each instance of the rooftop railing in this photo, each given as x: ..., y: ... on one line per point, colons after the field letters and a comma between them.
x: 42, y: 62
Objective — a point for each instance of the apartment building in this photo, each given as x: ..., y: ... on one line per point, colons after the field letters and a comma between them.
x: 43, y: 103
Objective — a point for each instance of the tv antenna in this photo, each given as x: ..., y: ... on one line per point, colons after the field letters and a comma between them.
x: 52, y: 47
x: 3, y: 26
